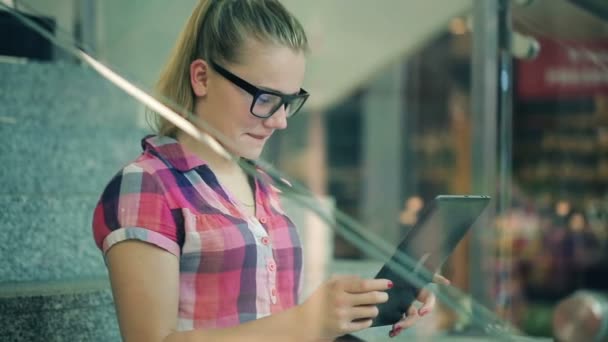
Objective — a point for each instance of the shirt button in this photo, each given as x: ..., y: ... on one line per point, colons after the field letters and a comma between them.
x: 265, y: 240
x: 272, y: 266
x: 263, y: 220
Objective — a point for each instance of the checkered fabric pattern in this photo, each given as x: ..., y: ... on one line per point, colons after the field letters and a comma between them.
x: 233, y: 268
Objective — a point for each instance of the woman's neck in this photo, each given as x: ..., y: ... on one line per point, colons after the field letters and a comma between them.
x: 217, y: 162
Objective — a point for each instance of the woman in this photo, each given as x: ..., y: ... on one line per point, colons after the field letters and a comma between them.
x: 195, y: 249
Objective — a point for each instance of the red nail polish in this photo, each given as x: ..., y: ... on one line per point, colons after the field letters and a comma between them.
x: 390, y: 284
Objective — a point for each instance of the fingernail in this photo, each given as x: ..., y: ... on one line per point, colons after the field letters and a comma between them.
x: 424, y: 312
x: 390, y: 284
x: 396, y: 332
x: 392, y: 332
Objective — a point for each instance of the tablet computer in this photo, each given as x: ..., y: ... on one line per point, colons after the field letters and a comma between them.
x: 440, y: 227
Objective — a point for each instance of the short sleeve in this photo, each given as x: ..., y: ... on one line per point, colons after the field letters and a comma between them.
x: 134, y: 206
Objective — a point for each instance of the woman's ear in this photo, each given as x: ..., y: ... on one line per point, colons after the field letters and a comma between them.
x: 199, y: 72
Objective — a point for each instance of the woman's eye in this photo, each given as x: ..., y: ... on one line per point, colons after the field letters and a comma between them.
x: 264, y: 98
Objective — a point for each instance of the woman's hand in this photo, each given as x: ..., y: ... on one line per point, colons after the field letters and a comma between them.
x: 427, y: 298
x: 344, y: 304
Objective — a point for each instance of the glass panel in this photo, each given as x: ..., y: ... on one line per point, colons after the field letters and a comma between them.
x: 555, y: 230
x: 388, y: 127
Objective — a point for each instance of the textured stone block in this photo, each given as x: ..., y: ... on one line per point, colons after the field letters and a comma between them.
x: 79, y: 311
x: 48, y: 238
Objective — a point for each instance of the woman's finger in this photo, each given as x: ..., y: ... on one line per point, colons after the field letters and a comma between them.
x: 367, y: 285
x: 408, y: 321
x: 427, y: 298
x: 363, y: 312
x: 439, y: 279
x: 358, y: 325
x: 369, y: 298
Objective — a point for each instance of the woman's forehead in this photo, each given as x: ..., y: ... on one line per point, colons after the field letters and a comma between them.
x: 255, y: 51
x: 272, y: 66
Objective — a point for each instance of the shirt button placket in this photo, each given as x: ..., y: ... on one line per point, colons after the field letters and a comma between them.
x: 272, y: 268
x: 265, y: 240
x: 273, y: 295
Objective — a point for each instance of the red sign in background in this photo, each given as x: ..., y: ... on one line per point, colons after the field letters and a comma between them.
x: 565, y: 69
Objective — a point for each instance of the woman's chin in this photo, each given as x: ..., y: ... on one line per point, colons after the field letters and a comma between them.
x: 250, y: 152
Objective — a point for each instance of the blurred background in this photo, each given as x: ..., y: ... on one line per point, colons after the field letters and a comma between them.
x: 410, y: 99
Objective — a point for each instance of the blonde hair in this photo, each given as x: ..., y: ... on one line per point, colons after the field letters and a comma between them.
x: 216, y: 31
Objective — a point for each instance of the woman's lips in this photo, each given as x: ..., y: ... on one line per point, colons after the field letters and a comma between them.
x: 258, y: 137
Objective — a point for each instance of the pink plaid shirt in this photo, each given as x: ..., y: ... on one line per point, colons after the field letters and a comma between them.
x: 233, y: 268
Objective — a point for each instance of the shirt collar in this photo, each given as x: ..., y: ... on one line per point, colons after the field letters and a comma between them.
x: 172, y: 152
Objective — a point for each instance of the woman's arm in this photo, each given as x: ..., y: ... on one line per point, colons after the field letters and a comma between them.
x: 145, y: 285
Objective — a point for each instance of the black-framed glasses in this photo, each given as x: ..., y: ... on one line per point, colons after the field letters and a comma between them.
x: 265, y: 102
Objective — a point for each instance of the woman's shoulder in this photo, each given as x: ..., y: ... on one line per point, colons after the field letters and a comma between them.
x: 145, y: 171
x: 149, y: 161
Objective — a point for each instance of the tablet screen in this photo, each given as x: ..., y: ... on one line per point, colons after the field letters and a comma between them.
x: 441, y: 228
x: 428, y: 243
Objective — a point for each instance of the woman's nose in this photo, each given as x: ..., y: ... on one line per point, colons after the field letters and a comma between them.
x: 278, y: 120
